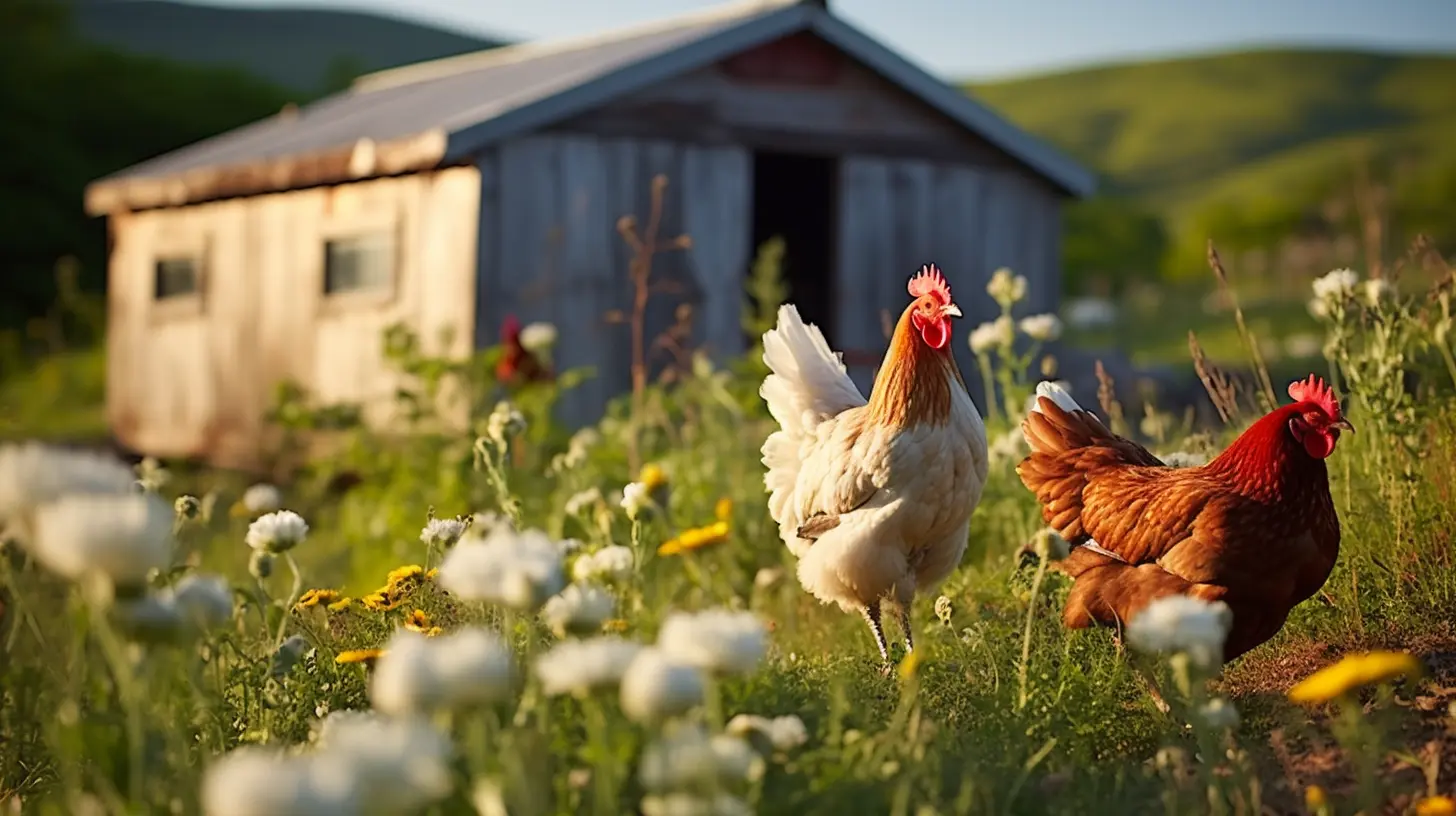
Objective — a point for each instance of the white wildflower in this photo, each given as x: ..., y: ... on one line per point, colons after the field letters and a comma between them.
x: 262, y: 498
x: 442, y: 532
x: 635, y: 499
x: 1006, y: 288
x: 205, y: 601
x: 277, y: 532
x: 583, y: 501
x: 579, y: 609
x: 1043, y: 328
x: 611, y: 562
x: 1319, y: 308
x: 1219, y: 713
x: 579, y: 667
x: 690, y: 804
x: 256, y: 781
x: 442, y: 673
x: 148, y: 618
x: 1376, y: 291
x: 567, y: 546
x: 538, y: 338
x: 781, y: 733
x: 519, y: 570
x: 117, y: 538
x: 944, y: 611
x: 32, y: 474
x: 488, y: 798
x: 1179, y: 623
x: 1183, y: 459
x: 984, y: 338
x: 686, y: 757
x: 397, y: 765
x: 260, y: 564
x: 716, y: 640
x: 504, y: 423
x: 656, y: 686
x: 1335, y: 286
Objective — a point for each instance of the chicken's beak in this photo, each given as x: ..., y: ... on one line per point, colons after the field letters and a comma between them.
x: 1344, y: 425
x: 951, y: 310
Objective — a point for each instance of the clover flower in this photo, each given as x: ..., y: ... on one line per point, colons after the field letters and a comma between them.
x: 202, y: 601
x: 1006, y: 288
x: 116, y: 539
x: 686, y: 757
x: 1179, y: 623
x: 1219, y: 714
x: 656, y: 685
x: 396, y: 765
x: 780, y: 733
x: 1335, y: 286
x: 578, y: 667
x: 611, y: 562
x: 420, y: 674
x: 1183, y: 459
x: 32, y: 474
x: 578, y: 609
x: 277, y: 532
x: 504, y: 423
x: 1046, y: 543
x: 538, y: 337
x: 715, y: 640
x: 262, y: 498
x: 442, y: 532
x: 518, y: 570
x: 257, y: 781
x: 1043, y: 328
x: 635, y: 499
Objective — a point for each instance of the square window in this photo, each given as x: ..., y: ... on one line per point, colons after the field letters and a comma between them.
x: 359, y: 263
x: 176, y: 277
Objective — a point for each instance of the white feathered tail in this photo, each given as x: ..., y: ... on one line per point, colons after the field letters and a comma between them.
x: 808, y: 384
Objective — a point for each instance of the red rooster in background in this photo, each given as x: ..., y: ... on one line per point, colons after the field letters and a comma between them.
x: 1255, y: 528
x: 874, y: 497
x: 518, y: 365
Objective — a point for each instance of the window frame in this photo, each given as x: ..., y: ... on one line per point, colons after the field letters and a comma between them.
x: 354, y: 228
x: 187, y: 304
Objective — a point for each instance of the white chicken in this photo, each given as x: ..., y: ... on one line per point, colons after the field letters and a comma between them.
x: 874, y: 497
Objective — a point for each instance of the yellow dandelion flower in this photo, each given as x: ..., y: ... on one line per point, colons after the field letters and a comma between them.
x: 1315, y: 798
x: 417, y: 621
x: 614, y: 625
x: 1436, y: 806
x: 652, y: 476
x: 723, y: 510
x: 1352, y: 672
x: 431, y: 573
x: 365, y: 656
x: 314, y: 597
x: 410, y: 574
x: 695, y: 539
x: 341, y: 604
x: 382, y: 600
x: 432, y: 631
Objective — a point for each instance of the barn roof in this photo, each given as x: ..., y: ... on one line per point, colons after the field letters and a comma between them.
x: 445, y: 111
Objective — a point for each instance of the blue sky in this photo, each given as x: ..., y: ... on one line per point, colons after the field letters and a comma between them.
x: 982, y: 38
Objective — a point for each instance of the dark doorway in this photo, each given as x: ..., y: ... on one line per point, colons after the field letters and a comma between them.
x: 794, y: 199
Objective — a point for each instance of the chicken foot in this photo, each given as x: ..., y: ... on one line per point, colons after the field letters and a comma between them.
x: 904, y: 615
x: 1142, y: 674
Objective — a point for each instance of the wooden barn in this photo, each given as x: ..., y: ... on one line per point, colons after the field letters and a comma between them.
x: 452, y: 193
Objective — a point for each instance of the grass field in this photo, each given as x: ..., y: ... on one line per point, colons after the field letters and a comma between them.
x: 128, y: 704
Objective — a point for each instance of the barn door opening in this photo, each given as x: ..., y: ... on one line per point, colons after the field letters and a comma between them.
x: 794, y: 199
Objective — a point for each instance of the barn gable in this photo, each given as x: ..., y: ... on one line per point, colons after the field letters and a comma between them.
x: 445, y: 112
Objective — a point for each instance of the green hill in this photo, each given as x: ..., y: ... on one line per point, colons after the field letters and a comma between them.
x: 1257, y: 142
x: 302, y: 49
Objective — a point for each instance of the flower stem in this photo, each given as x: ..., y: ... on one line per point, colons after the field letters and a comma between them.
x: 1023, y: 669
x: 126, y: 691
x: 293, y: 591
x: 604, y: 783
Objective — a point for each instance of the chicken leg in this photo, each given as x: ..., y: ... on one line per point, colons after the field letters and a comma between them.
x: 872, y: 616
x: 904, y: 614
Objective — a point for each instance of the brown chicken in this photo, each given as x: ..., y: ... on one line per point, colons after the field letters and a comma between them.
x: 1255, y: 528
x: 517, y: 364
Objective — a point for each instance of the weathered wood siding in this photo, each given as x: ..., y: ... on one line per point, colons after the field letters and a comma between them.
x: 550, y: 248
x: 896, y: 214
x: 187, y: 379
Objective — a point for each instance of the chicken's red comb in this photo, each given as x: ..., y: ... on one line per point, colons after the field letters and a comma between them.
x: 1314, y: 390
x: 929, y: 280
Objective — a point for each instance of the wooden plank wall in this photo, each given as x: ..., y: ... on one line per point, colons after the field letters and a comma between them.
x: 896, y: 214
x: 550, y: 249
x: 196, y: 382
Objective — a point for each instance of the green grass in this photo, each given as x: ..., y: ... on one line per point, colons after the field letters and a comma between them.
x: 60, y: 398
x: 947, y: 735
